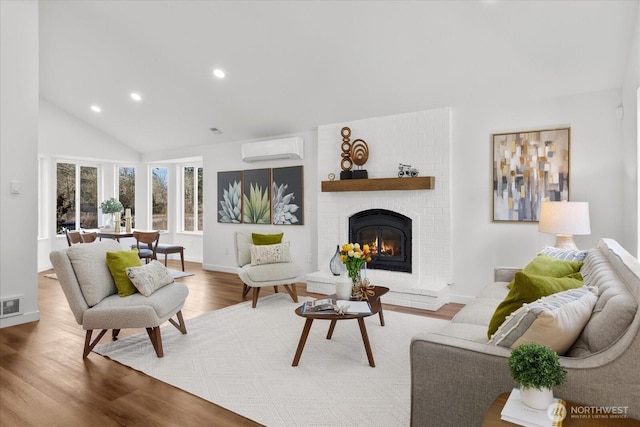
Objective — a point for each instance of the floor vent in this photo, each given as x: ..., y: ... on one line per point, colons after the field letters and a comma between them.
x: 10, y: 307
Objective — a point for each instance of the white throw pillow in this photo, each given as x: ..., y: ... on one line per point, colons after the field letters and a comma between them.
x: 565, y: 254
x: 270, y: 254
x: 555, y: 321
x: 150, y: 277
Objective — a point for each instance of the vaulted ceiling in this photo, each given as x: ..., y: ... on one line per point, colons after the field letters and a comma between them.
x: 293, y: 65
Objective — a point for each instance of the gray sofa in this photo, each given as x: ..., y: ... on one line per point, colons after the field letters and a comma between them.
x: 456, y: 374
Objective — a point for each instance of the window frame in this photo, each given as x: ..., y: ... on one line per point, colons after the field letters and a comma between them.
x: 79, y: 163
x: 181, y: 205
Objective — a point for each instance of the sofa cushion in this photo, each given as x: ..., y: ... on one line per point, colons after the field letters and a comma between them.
x: 555, y: 321
x: 565, y: 254
x: 272, y: 272
x: 616, y: 306
x: 117, y: 263
x: 545, y: 265
x: 150, y: 277
x: 527, y: 288
x: 91, y: 270
x: 270, y: 254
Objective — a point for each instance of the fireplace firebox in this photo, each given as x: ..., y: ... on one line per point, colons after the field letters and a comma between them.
x: 388, y: 235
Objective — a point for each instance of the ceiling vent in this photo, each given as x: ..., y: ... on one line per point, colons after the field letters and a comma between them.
x: 287, y: 148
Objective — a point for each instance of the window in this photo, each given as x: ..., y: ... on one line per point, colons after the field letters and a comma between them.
x: 192, y: 202
x: 127, y: 190
x: 159, y: 187
x: 76, y: 196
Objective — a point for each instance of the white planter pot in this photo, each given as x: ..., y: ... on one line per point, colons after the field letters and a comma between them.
x: 343, y: 287
x: 537, y: 398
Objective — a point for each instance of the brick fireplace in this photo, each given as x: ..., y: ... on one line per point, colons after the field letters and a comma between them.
x: 423, y: 140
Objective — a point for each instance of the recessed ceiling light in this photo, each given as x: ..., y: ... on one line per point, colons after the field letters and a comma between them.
x: 136, y: 97
x: 218, y: 73
x: 96, y: 109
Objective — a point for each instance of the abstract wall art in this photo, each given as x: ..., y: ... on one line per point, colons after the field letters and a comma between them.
x: 528, y: 168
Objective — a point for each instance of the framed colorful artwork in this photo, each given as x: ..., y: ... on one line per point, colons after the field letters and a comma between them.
x: 528, y: 168
x: 287, y: 197
x: 230, y: 197
x: 256, y: 196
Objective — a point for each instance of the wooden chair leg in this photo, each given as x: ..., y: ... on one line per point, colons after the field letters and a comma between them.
x: 291, y: 290
x: 156, y: 340
x: 114, y: 334
x: 275, y: 289
x: 182, y: 258
x: 256, y: 292
x: 180, y: 324
x: 88, y: 344
x: 245, y: 290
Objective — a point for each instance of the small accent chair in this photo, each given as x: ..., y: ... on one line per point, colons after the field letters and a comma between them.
x: 89, y: 237
x: 258, y: 276
x: 147, y: 244
x: 73, y: 236
x: 166, y: 248
x: 93, y: 298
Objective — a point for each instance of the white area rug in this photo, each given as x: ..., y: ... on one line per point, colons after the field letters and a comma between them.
x: 240, y: 358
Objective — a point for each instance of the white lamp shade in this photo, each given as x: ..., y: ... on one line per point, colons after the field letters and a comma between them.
x: 567, y: 218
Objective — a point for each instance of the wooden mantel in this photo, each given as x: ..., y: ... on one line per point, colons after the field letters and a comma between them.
x: 380, y: 184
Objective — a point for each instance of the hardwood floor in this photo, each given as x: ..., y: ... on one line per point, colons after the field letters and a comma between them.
x: 45, y: 382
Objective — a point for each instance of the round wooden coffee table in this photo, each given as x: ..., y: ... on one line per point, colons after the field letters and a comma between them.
x: 376, y: 308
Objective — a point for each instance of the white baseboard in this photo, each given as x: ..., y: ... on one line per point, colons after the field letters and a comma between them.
x: 5, y: 322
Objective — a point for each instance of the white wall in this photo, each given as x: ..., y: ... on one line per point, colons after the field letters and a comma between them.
x: 218, y: 237
x: 630, y: 88
x: 19, y: 156
x: 595, y: 177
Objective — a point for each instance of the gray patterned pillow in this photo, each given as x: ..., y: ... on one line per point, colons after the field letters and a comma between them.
x: 270, y: 254
x: 565, y: 254
x: 555, y: 321
x: 150, y: 277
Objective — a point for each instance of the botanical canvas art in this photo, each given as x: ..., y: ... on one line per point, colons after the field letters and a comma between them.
x: 256, y: 197
x: 287, y: 196
x: 230, y: 197
x: 529, y: 168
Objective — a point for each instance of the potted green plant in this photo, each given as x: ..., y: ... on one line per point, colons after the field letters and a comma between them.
x: 536, y: 368
x: 111, y: 206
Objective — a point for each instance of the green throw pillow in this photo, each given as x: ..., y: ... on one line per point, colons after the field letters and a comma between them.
x: 117, y: 263
x: 528, y: 288
x: 266, y: 239
x: 544, y: 265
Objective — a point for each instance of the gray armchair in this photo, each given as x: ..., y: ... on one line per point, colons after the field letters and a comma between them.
x: 258, y: 276
x: 93, y: 298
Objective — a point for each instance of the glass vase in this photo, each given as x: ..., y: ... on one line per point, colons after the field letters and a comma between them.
x: 335, y: 265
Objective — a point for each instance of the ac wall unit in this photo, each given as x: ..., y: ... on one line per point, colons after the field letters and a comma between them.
x: 286, y: 148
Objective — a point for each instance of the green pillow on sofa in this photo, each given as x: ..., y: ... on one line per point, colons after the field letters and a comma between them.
x: 118, y: 262
x: 545, y: 265
x: 528, y: 288
x: 266, y: 239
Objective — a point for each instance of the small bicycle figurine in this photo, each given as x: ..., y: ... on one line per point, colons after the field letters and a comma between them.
x: 406, y: 170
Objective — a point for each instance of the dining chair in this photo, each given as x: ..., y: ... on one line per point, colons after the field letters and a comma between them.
x: 147, y: 244
x: 73, y: 236
x: 89, y: 237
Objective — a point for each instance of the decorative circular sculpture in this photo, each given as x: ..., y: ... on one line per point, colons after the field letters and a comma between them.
x: 359, y: 152
x: 346, y: 164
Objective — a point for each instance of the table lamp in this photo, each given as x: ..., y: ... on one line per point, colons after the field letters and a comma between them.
x: 564, y: 219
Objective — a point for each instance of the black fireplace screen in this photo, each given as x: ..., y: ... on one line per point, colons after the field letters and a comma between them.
x: 388, y: 235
